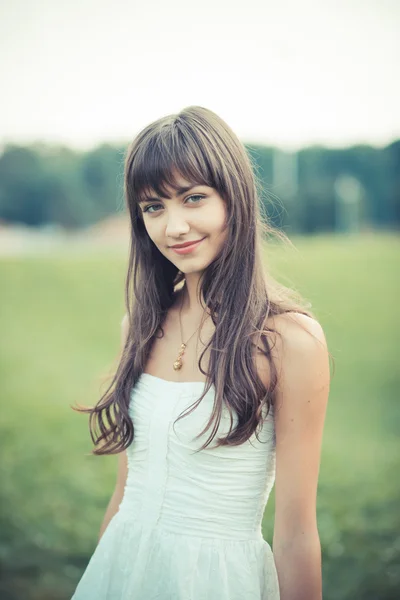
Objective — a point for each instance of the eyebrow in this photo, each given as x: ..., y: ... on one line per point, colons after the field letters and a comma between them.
x: 180, y: 191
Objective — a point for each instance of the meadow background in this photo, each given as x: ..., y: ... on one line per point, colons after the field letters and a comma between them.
x: 315, y: 98
x: 60, y: 335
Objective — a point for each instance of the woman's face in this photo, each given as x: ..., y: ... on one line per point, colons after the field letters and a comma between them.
x: 192, y: 213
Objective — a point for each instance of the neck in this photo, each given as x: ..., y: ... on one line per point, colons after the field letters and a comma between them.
x: 191, y: 304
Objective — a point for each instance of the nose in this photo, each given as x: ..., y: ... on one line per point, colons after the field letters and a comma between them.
x: 176, y: 224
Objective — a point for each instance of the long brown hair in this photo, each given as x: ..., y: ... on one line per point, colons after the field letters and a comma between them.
x: 238, y: 292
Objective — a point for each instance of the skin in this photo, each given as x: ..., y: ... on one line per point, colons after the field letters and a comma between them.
x: 301, y: 356
x: 198, y: 213
x: 302, y: 359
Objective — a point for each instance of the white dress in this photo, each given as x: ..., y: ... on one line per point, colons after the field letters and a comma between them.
x: 189, y: 525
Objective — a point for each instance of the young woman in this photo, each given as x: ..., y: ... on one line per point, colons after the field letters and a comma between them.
x: 220, y: 392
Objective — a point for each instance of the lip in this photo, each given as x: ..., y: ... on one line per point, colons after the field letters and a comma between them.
x: 185, y: 244
x: 186, y: 247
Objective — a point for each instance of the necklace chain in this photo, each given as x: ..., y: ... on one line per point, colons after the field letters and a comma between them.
x: 178, y: 362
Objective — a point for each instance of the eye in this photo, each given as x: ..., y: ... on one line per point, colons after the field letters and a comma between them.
x: 195, y: 196
x: 149, y: 206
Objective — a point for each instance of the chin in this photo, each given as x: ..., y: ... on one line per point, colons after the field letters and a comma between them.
x: 197, y: 267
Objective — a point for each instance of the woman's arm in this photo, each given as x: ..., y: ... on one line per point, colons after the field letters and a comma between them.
x: 122, y: 470
x: 301, y: 403
x: 118, y: 494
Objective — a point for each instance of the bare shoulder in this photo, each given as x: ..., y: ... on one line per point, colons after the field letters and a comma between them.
x: 295, y: 340
x: 295, y: 326
x: 125, y: 322
x: 295, y: 334
x: 124, y: 329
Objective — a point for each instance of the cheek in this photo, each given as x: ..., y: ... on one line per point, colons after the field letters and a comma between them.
x: 153, y: 238
x: 152, y: 231
x: 218, y: 230
x: 218, y: 219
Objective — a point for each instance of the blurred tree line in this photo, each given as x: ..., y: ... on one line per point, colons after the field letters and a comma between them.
x: 303, y: 192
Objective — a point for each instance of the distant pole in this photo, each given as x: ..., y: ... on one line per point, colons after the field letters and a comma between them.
x: 285, y: 179
x: 348, y: 195
x: 285, y: 176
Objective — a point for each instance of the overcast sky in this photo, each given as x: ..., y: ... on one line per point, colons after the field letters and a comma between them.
x: 288, y: 73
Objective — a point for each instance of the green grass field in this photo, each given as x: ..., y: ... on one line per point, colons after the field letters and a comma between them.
x: 60, y: 322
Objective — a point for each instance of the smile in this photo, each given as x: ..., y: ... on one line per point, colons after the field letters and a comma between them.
x: 187, y: 249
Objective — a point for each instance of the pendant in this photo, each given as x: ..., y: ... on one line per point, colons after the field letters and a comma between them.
x: 178, y: 363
